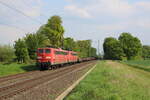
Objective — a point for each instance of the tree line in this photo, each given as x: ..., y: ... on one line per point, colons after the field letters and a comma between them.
x: 50, y: 35
x: 146, y: 52
x: 126, y: 47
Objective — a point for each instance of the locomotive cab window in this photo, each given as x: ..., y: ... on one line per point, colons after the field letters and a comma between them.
x: 40, y: 51
x: 47, y: 51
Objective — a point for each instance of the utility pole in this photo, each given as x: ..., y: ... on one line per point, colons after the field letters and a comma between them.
x: 98, y: 47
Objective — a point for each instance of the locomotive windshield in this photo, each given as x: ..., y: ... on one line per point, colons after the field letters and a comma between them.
x: 47, y: 51
x: 44, y: 51
x: 40, y: 51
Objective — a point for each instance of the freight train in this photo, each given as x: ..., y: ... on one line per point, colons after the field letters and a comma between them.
x: 54, y: 57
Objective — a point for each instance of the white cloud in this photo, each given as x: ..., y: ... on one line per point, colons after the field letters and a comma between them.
x: 112, y: 8
x: 33, y: 9
x: 119, y: 8
x: 112, y: 27
x: 9, y: 34
x: 15, y: 25
x: 28, y: 7
x: 74, y: 10
x: 126, y: 25
x: 143, y: 23
x: 69, y: 0
x: 143, y: 5
x: 34, y: 12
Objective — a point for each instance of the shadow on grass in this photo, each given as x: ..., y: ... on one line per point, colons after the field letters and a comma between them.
x: 140, y: 67
x: 6, y: 63
x: 30, y: 68
x: 137, y: 66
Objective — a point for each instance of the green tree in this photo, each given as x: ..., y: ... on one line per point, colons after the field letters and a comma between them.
x: 32, y: 44
x: 132, y: 46
x: 146, y: 52
x: 83, y: 47
x: 21, y: 51
x: 6, y: 53
x: 69, y: 43
x: 93, y: 52
x: 34, y: 41
x: 54, y: 31
x: 112, y: 49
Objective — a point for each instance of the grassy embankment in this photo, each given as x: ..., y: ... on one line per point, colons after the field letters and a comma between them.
x: 113, y: 81
x: 141, y: 64
x: 14, y: 68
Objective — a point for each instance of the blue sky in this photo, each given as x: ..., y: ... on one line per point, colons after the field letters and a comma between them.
x: 82, y: 19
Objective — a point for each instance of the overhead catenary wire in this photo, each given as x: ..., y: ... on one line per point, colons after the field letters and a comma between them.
x: 19, y: 11
x: 13, y: 26
x: 25, y: 3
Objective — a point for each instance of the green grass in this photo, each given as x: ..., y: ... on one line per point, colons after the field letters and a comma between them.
x: 14, y: 68
x: 113, y: 81
x: 141, y: 64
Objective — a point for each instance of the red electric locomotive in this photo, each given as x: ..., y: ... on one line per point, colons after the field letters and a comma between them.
x: 48, y: 57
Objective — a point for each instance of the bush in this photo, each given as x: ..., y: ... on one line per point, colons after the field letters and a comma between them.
x: 6, y: 53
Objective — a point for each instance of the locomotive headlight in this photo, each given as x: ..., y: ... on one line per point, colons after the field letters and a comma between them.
x: 39, y: 57
x: 48, y: 57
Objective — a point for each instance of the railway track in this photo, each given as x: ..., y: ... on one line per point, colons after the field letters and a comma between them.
x: 13, y: 79
x: 21, y: 86
x: 25, y: 77
x: 6, y: 78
